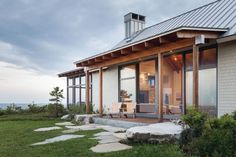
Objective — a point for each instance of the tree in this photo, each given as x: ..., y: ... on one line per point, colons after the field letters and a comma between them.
x: 57, y: 96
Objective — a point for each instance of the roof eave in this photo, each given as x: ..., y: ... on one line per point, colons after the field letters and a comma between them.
x: 153, y: 37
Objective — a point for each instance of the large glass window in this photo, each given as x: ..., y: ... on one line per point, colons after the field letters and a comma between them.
x: 172, y: 84
x: 189, y: 78
x: 128, y: 83
x: 82, y: 86
x: 77, y: 90
x: 207, y: 81
x: 147, y: 82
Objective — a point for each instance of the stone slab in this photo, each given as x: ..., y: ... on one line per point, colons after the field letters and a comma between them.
x: 121, y: 136
x: 65, y: 124
x: 58, y: 139
x: 48, y: 129
x: 159, y: 132
x: 69, y: 131
x: 109, y: 147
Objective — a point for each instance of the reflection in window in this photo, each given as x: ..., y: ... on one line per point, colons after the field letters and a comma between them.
x: 189, y: 78
x: 172, y: 84
x: 147, y: 82
x: 207, y: 81
x: 128, y: 83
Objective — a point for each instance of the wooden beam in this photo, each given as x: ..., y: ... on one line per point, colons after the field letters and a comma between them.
x: 106, y: 57
x: 98, y: 60
x: 92, y: 61
x: 163, y: 40
x: 146, y: 53
x: 84, y: 63
x: 195, y: 75
x: 100, y: 92
x: 125, y: 51
x: 114, y: 55
x: 193, y: 34
x: 149, y: 44
x: 160, y: 86
x: 139, y: 47
x: 87, y: 88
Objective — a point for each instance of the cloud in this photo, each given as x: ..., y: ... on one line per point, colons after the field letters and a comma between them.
x: 39, y: 39
x: 24, y: 86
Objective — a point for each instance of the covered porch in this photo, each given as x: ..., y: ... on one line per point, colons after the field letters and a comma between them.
x: 162, y: 75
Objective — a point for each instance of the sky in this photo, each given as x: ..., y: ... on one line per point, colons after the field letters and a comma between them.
x: 39, y: 39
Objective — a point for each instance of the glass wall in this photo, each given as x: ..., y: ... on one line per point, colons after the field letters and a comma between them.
x: 207, y: 80
x: 70, y: 90
x: 189, y: 79
x: 77, y: 90
x: 172, y: 84
x: 128, y: 83
x: 147, y: 82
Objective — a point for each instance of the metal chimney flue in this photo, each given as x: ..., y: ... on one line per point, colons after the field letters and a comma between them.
x: 133, y: 23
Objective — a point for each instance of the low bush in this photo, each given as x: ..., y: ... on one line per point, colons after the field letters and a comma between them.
x: 55, y: 110
x: 13, y: 109
x: 34, y: 108
x: 2, y: 112
x: 79, y: 109
x: 209, y: 137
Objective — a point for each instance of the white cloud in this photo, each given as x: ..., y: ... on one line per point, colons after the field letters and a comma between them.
x: 21, y: 85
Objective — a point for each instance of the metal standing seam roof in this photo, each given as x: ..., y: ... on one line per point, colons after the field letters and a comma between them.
x: 218, y: 15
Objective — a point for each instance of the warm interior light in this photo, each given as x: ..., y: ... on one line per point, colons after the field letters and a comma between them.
x: 175, y: 58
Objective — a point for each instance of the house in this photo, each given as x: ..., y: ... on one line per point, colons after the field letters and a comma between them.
x: 188, y: 60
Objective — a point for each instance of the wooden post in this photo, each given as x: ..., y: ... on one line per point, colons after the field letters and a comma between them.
x: 87, y: 92
x: 195, y: 75
x: 100, y: 91
x: 160, y: 85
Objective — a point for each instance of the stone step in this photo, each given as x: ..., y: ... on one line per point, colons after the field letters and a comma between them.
x: 117, y: 123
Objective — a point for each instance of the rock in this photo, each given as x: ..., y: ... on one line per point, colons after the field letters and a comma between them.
x: 65, y: 117
x: 69, y: 131
x: 85, y: 118
x: 103, y: 134
x: 83, y: 127
x: 160, y: 132
x: 109, y: 147
x: 121, y: 136
x: 57, y: 139
x: 64, y: 124
x: 47, y: 129
x: 112, y: 129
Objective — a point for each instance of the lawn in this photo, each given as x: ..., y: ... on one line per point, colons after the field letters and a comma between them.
x: 16, y: 135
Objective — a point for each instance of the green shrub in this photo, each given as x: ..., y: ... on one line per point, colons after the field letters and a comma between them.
x: 79, y: 109
x: 218, y: 139
x: 209, y: 137
x: 2, y: 112
x: 195, y: 120
x: 13, y: 109
x: 55, y: 110
x: 33, y: 108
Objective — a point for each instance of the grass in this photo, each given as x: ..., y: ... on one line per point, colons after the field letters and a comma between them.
x: 17, y: 135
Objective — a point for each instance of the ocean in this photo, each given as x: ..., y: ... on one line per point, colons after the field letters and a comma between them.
x: 22, y: 105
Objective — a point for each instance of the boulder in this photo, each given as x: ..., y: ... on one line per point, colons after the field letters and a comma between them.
x: 65, y: 117
x: 155, y: 133
x: 84, y: 118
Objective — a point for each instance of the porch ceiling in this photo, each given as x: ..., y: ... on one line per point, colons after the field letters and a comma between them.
x: 173, y: 40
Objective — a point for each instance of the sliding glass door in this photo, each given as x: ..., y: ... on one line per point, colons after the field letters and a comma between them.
x: 128, y: 83
x: 147, y: 86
